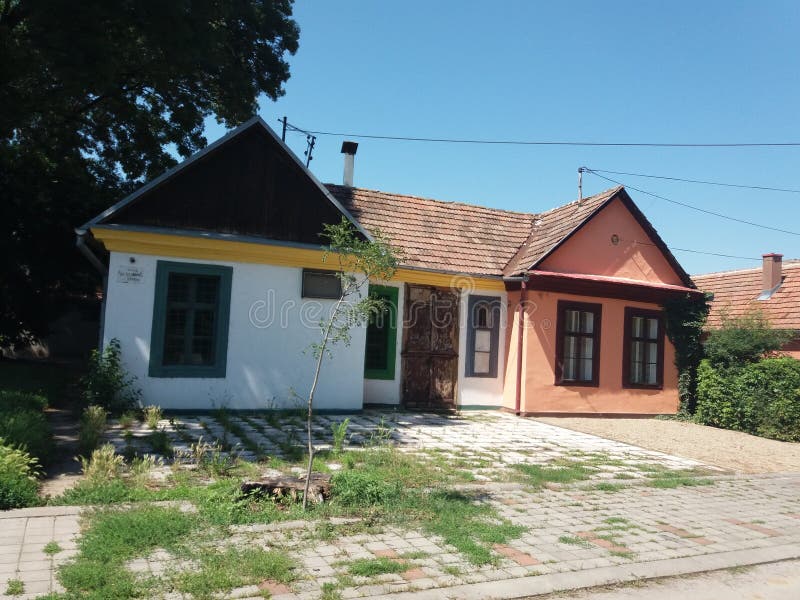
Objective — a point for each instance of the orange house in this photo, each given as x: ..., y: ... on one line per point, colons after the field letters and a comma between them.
x: 215, y: 278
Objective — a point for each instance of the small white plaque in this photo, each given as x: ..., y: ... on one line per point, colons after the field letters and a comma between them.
x: 130, y: 274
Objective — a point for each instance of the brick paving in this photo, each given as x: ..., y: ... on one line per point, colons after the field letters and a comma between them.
x: 575, y: 535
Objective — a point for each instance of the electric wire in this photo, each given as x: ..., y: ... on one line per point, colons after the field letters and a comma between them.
x: 733, y: 185
x: 545, y: 142
x: 692, y: 207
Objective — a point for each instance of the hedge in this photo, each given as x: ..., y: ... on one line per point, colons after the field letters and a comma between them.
x: 761, y: 398
x: 23, y: 424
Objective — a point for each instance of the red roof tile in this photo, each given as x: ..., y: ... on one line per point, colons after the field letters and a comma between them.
x: 735, y: 293
x: 464, y: 238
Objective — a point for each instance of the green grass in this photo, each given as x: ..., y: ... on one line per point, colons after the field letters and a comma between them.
x: 574, y: 540
x: 330, y: 592
x: 52, y: 548
x: 15, y: 587
x: 370, y: 567
x: 605, y: 486
x: 538, y: 475
x: 452, y: 570
x: 222, y: 571
x: 677, y: 481
x: 414, y: 555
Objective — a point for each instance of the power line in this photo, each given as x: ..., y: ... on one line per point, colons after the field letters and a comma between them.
x: 547, y: 142
x: 696, y: 208
x: 733, y: 185
x: 673, y: 249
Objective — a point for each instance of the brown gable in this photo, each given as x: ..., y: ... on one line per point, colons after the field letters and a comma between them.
x: 735, y: 293
x: 438, y: 235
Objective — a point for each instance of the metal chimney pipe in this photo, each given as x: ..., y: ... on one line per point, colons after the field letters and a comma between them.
x: 349, y: 150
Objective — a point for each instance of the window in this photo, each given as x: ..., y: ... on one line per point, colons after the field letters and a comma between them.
x: 379, y: 358
x: 190, y: 320
x: 643, y: 355
x: 483, y: 332
x: 321, y: 284
x: 578, y: 343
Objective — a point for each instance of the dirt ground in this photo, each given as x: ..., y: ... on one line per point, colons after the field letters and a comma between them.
x: 727, y: 449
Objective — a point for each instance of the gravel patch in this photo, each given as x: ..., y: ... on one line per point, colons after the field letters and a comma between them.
x: 732, y: 450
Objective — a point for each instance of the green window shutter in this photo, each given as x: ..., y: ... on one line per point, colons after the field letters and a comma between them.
x: 191, y: 316
x: 381, y: 348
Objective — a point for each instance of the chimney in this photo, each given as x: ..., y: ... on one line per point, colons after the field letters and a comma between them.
x: 771, y: 275
x: 349, y: 150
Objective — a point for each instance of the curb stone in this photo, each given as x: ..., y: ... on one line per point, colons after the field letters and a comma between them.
x: 525, y: 587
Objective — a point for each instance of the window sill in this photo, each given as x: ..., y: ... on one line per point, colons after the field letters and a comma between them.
x: 641, y: 386
x: 187, y: 372
x: 379, y: 376
x: 577, y: 383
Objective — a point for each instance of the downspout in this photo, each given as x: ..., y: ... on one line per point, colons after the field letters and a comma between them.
x: 520, y: 338
x: 80, y: 242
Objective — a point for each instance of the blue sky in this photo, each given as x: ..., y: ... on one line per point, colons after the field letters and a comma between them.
x: 641, y: 71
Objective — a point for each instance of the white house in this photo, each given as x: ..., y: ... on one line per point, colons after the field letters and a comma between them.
x: 215, y: 281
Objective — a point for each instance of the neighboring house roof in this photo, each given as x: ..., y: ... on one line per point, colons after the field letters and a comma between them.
x: 735, y: 294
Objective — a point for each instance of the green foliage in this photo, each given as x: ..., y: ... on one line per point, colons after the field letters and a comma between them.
x: 52, y: 548
x: 15, y: 587
x: 93, y: 425
x: 18, y: 471
x: 370, y: 567
x: 339, y: 431
x: 759, y: 398
x: 685, y: 317
x: 538, y: 475
x: 106, y: 383
x: 223, y: 570
x: 744, y: 339
x: 363, y: 488
x: 152, y: 416
x: 74, y: 139
x: 160, y: 443
x: 23, y: 424
x: 103, y: 465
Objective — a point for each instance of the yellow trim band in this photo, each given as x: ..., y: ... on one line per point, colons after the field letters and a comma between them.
x: 204, y: 248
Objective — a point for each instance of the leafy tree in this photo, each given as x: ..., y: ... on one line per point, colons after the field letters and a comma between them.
x: 94, y: 95
x: 745, y: 339
x: 685, y: 318
x: 359, y: 261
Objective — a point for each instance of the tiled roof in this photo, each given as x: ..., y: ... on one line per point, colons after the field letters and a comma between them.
x: 464, y: 238
x: 735, y: 293
x: 551, y: 227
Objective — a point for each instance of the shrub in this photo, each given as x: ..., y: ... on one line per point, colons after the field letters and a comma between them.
x: 93, y: 425
x: 103, y: 465
x: 357, y: 488
x: 759, y: 398
x: 152, y: 415
x: 743, y: 340
x: 23, y: 424
x: 107, y: 384
x: 339, y: 431
x: 18, y: 471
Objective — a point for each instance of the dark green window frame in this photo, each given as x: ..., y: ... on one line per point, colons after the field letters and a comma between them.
x: 390, y: 295
x: 157, y: 338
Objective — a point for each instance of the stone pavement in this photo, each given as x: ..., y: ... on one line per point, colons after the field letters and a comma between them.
x: 613, y: 527
x: 24, y: 534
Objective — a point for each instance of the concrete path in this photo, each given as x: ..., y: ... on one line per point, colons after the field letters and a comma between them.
x: 609, y: 529
x: 772, y: 581
x: 24, y: 535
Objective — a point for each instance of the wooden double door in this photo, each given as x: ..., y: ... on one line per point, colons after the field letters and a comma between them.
x: 430, y: 348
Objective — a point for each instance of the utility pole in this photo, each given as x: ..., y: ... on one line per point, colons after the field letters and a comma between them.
x: 310, y: 140
x: 283, y: 133
x: 580, y: 183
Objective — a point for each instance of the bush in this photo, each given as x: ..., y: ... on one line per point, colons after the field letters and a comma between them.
x: 93, y: 425
x: 152, y: 416
x: 18, y: 471
x: 357, y: 488
x: 761, y: 398
x: 743, y: 340
x: 107, y: 384
x: 103, y: 465
x: 23, y: 424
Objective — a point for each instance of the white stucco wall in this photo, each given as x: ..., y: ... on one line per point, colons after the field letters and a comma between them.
x: 270, y: 327
x: 387, y: 391
x: 481, y: 391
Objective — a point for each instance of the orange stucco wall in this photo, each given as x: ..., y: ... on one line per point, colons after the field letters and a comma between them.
x: 540, y: 395
x: 590, y: 250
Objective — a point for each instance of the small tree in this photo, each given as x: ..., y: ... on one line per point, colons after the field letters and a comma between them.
x: 686, y: 317
x: 744, y: 339
x: 360, y: 261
